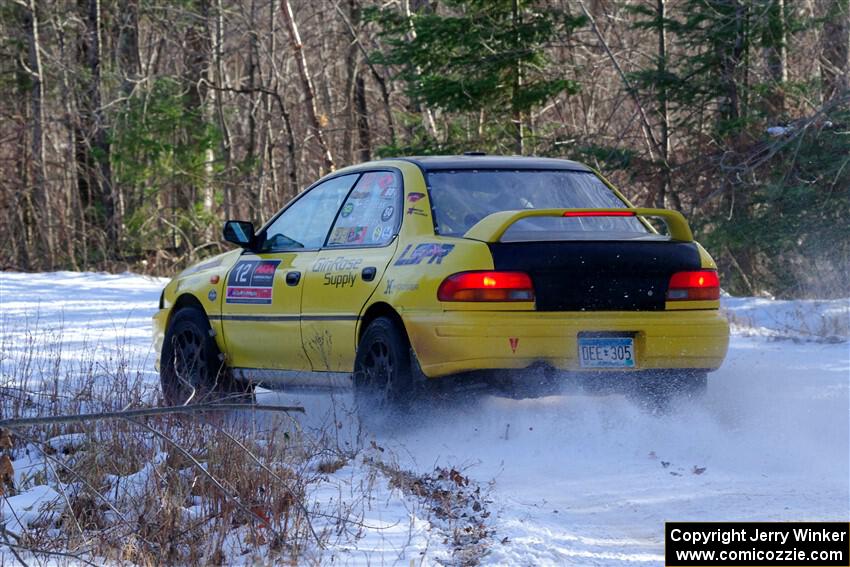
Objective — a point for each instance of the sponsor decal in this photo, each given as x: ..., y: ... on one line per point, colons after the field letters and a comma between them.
x: 376, y: 234
x: 434, y: 253
x: 388, y: 193
x: 385, y: 181
x: 359, y: 195
x: 341, y: 280
x: 339, y: 235
x: 251, y: 282
x: 416, y: 211
x: 387, y: 213
x: 338, y: 264
x: 386, y: 232
x: 413, y: 197
x: 356, y: 234
x: 265, y: 270
x: 339, y: 271
x: 347, y: 209
x: 348, y: 235
x: 393, y: 286
x: 514, y: 343
x: 212, y: 295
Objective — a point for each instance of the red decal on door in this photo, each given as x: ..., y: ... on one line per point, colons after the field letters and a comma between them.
x: 514, y: 343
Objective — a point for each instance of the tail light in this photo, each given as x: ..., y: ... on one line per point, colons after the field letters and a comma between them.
x: 694, y: 286
x: 487, y: 286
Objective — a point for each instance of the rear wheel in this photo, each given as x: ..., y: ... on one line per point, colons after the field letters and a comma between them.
x: 382, y: 367
x: 191, y: 368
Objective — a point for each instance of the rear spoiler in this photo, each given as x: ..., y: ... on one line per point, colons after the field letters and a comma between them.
x: 492, y: 227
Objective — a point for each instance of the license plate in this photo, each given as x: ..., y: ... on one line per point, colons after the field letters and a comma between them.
x: 606, y: 352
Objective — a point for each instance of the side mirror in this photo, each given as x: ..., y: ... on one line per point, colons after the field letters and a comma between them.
x: 240, y: 233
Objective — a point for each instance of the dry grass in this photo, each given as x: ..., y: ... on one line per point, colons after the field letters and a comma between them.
x: 215, y: 489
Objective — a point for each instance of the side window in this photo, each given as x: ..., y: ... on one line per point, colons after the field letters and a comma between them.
x: 371, y: 214
x: 306, y: 222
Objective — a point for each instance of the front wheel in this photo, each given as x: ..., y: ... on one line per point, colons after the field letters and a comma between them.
x: 191, y: 367
x: 382, y: 367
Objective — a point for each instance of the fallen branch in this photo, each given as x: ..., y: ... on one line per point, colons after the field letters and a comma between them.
x: 142, y: 412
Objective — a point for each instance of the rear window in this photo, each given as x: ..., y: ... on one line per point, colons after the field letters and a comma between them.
x: 461, y: 198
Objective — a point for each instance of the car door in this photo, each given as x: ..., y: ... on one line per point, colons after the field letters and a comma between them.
x: 348, y: 269
x: 261, y: 312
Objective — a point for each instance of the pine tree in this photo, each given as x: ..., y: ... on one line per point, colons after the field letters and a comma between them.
x: 482, y: 58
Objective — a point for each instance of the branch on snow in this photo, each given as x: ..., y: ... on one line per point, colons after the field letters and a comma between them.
x: 144, y: 412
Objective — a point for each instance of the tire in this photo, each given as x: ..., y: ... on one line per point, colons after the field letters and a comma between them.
x: 191, y: 370
x: 382, y: 368
x: 658, y: 391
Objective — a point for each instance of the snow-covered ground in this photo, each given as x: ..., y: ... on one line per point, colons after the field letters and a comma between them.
x: 567, y: 479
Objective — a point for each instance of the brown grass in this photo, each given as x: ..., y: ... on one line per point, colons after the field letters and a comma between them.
x: 206, y: 489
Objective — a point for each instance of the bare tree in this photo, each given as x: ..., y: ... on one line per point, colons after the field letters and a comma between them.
x: 307, y: 84
x: 96, y: 124
x: 38, y: 151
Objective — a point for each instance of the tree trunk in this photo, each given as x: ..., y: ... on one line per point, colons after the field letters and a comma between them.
x: 774, y: 49
x: 356, y: 103
x: 427, y: 114
x: 307, y: 84
x: 292, y: 171
x: 379, y: 79
x: 730, y: 58
x: 198, y: 72
x: 129, y: 60
x: 835, y: 49
x: 663, y: 108
x: 351, y: 62
x: 218, y: 78
x: 76, y: 213
x: 257, y: 182
x: 518, y: 118
x: 38, y: 157
x: 364, y: 134
x: 98, y: 160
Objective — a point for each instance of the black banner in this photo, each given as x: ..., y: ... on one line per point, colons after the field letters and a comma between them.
x: 762, y: 544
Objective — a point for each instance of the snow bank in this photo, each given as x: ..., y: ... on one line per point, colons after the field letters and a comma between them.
x: 799, y: 319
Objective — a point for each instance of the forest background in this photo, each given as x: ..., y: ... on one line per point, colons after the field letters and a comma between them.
x: 130, y: 129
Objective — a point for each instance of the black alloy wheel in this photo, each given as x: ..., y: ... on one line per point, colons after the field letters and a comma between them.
x: 382, y: 367
x: 191, y: 369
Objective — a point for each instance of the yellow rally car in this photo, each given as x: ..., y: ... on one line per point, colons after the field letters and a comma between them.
x: 403, y: 270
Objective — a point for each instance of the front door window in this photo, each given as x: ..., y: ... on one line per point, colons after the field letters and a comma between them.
x: 305, y: 223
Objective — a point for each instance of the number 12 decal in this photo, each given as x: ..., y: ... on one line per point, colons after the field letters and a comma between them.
x: 251, y: 282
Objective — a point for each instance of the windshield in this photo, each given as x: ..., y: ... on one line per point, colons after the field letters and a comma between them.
x: 461, y: 198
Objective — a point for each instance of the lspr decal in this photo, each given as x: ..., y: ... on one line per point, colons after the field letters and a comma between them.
x: 251, y: 282
x: 433, y: 253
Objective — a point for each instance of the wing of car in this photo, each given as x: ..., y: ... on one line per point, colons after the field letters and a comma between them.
x: 404, y: 270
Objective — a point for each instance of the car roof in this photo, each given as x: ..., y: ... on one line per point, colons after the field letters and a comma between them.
x: 430, y: 163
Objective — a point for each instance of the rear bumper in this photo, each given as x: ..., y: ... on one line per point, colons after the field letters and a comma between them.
x: 460, y: 341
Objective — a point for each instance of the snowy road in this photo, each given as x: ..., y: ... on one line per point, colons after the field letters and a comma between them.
x: 584, y: 480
